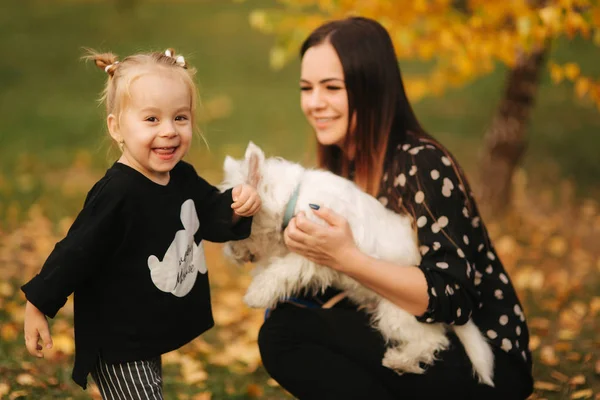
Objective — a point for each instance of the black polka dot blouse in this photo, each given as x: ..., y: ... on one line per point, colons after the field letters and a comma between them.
x: 465, y: 277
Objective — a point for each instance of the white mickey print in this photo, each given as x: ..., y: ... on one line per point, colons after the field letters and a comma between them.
x: 446, y: 161
x: 458, y: 312
x: 506, y: 345
x: 435, y: 228
x: 433, y: 293
x: 449, y: 290
x: 489, y: 269
x: 492, y: 334
x: 466, y: 239
x: 423, y: 250
x: 466, y: 212
x: 518, y: 330
x: 436, y: 246
x: 413, y: 170
x: 503, y: 278
x: 183, y: 260
x: 475, y: 222
x: 498, y: 294
x: 435, y: 174
x: 503, y: 320
x: 405, y: 147
x: 422, y: 221
x: 460, y: 253
x: 491, y: 255
x: 478, y: 276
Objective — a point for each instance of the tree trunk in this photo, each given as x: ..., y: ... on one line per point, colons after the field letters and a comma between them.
x: 504, y: 142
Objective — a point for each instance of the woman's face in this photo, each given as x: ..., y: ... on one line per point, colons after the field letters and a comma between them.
x: 324, y: 99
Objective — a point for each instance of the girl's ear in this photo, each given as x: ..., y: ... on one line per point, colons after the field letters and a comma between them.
x: 113, y: 128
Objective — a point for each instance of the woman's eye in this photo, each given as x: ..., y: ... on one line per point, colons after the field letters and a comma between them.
x: 305, y: 88
x: 333, y: 88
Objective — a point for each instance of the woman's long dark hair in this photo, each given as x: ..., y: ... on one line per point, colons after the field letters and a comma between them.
x: 376, y: 98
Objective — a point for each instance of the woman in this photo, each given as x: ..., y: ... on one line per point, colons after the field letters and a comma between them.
x: 353, y: 97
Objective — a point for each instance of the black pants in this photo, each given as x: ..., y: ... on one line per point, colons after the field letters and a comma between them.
x: 317, y: 353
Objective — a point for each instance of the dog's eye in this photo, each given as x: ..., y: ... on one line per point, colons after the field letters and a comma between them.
x: 251, y: 258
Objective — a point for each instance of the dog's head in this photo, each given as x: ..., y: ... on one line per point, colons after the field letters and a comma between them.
x: 275, y: 180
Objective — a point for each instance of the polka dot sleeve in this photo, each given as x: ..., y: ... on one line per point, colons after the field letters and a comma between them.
x: 445, y: 228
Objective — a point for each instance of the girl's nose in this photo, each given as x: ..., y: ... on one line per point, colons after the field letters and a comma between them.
x: 169, y: 129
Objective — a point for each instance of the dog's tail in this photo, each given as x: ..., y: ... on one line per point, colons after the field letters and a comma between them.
x: 478, y: 350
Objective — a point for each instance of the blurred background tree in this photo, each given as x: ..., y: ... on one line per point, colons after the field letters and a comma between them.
x: 463, y: 40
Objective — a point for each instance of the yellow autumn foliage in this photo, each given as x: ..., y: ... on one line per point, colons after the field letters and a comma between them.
x: 464, y: 41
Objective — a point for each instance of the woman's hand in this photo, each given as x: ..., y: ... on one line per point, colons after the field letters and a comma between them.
x: 36, y: 328
x: 325, y: 245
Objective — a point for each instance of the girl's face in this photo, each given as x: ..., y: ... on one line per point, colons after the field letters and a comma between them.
x: 156, y: 125
x: 324, y: 99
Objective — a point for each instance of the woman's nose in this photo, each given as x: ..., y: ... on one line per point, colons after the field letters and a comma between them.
x: 316, y: 100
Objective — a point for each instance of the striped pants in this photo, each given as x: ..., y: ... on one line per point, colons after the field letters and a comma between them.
x: 129, y: 381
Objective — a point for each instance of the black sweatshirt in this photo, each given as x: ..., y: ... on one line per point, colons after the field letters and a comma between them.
x: 135, y: 262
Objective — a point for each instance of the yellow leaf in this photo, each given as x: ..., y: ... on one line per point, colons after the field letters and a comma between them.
x: 557, y: 246
x: 6, y: 289
x: 4, y: 389
x: 202, y: 396
x: 254, y: 391
x: 64, y: 344
x: 548, y: 356
x: 546, y: 386
x: 572, y: 71
x: 556, y: 73
x: 534, y: 342
x: 583, y: 394
x: 9, y: 332
x: 582, y: 86
x: 577, y: 380
x: 25, y: 380
x: 559, y: 376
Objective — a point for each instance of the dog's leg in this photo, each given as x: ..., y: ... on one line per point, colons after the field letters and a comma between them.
x: 412, y: 342
x: 283, y: 277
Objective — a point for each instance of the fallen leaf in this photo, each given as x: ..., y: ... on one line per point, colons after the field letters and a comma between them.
x: 4, y: 389
x: 202, y: 396
x: 25, y: 380
x: 546, y: 386
x: 254, y: 391
x: 548, y: 356
x: 18, y: 393
x: 597, y: 367
x: 577, y: 380
x: 534, y: 342
x: 559, y: 376
x: 582, y: 394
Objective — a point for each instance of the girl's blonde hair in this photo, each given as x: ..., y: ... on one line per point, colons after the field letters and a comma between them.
x: 122, y: 73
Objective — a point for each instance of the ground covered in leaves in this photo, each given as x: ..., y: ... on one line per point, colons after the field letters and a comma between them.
x: 548, y: 243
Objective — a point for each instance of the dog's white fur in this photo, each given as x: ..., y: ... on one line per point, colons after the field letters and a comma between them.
x: 377, y: 231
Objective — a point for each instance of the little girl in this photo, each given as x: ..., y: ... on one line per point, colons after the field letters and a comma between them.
x: 134, y: 257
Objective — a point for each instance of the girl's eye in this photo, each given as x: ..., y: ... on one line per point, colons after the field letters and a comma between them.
x: 305, y: 88
x: 181, y: 118
x: 151, y: 119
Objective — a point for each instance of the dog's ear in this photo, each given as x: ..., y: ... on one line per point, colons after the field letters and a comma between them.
x: 253, y: 149
x: 231, y: 166
x: 254, y: 157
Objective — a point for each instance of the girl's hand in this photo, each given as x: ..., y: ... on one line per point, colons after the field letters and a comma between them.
x: 324, y: 245
x: 36, y: 328
x: 246, y: 201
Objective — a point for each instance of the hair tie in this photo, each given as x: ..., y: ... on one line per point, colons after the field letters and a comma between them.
x: 108, y: 67
x: 180, y: 61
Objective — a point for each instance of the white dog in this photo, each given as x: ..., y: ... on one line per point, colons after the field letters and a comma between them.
x: 287, y: 188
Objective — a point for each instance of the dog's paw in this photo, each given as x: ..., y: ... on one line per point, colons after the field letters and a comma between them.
x: 397, y: 360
